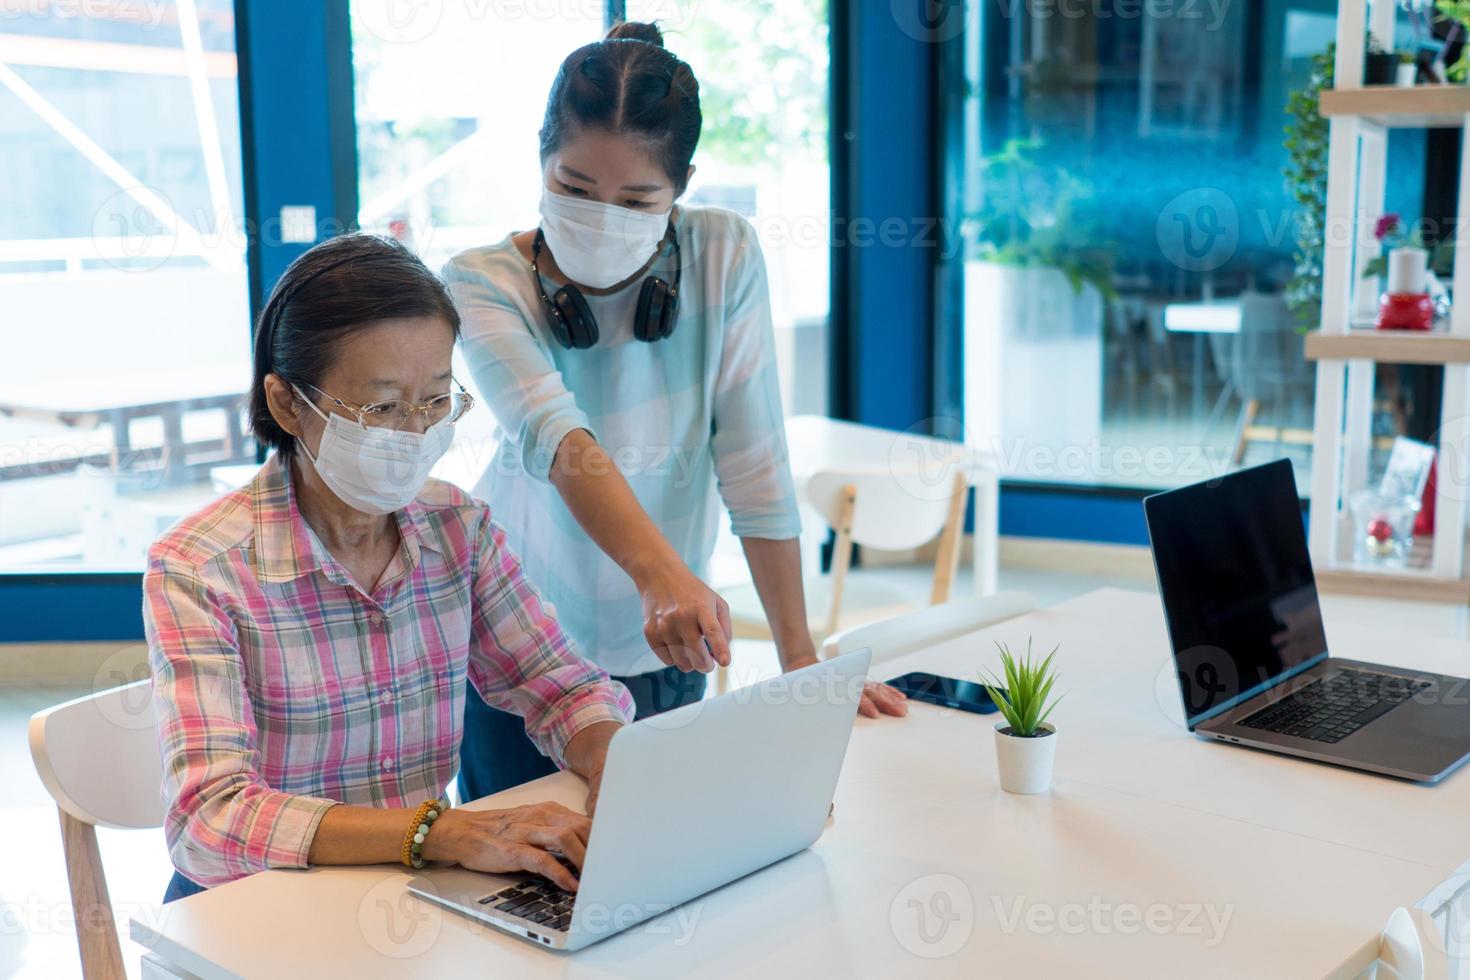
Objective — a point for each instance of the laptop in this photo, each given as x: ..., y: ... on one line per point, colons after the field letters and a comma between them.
x: 1250, y: 650
x: 691, y: 800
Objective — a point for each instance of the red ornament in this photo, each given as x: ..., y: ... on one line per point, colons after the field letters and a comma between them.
x: 1379, y: 529
x: 1424, y: 520
x: 1406, y: 311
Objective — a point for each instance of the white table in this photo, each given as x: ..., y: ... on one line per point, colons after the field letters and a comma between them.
x: 119, y: 400
x: 1155, y: 854
x: 817, y: 443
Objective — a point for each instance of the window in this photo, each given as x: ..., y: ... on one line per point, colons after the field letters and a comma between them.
x: 1129, y: 316
x: 450, y: 101
x: 125, y: 321
x: 762, y: 67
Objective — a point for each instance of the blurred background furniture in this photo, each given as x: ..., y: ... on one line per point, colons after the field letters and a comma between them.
x: 924, y: 463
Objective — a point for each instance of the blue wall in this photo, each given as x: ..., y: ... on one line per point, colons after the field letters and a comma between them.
x: 882, y: 225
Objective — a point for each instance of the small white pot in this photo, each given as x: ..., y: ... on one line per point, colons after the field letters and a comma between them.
x: 1404, y: 75
x: 1025, y: 763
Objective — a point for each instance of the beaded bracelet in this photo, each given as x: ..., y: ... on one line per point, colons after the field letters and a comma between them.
x: 418, y: 832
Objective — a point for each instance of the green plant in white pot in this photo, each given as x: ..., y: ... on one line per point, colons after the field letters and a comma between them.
x: 1025, y: 745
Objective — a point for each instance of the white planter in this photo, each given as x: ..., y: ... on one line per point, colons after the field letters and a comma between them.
x: 1025, y: 763
x: 1404, y: 75
x: 1033, y: 369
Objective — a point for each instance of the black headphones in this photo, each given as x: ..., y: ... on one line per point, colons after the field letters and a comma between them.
x: 571, y: 319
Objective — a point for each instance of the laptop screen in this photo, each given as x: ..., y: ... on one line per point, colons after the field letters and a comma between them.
x: 1236, y: 580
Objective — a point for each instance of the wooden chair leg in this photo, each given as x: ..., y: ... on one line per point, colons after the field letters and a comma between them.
x: 841, y: 559
x: 1247, y: 418
x: 97, y: 940
x: 947, y: 561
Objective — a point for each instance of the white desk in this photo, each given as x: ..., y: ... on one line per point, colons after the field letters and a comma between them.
x: 1147, y: 833
x: 816, y: 443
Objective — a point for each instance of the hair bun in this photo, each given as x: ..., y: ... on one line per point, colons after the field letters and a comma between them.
x: 636, y: 30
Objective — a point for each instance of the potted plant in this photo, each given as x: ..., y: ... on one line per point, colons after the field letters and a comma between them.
x: 1025, y: 745
x: 1037, y: 274
x: 1408, y: 70
x: 1414, y: 294
x: 1380, y: 67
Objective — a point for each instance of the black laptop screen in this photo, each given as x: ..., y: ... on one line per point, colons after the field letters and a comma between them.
x: 1237, y: 585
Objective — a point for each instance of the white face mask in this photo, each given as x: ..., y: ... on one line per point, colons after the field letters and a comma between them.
x: 595, y: 244
x: 376, y: 471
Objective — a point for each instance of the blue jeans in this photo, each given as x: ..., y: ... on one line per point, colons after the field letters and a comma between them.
x: 496, y: 753
x: 180, y: 887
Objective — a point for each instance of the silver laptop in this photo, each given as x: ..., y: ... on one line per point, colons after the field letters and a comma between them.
x: 1251, y: 652
x: 691, y: 800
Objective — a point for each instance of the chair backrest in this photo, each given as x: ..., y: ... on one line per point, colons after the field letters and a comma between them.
x: 98, y: 757
x: 1409, y: 948
x: 895, y: 637
x: 894, y: 509
x: 1268, y: 349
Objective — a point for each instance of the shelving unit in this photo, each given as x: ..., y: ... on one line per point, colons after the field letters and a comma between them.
x: 1359, y: 119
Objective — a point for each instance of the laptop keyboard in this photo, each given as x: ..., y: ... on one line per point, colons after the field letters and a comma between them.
x: 537, y: 900
x: 1332, y: 708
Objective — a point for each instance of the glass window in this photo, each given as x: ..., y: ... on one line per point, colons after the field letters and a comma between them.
x: 450, y: 100
x: 762, y: 67
x: 449, y: 104
x: 126, y: 321
x: 1135, y: 287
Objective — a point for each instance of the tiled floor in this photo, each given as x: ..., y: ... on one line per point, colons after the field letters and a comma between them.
x: 36, y: 937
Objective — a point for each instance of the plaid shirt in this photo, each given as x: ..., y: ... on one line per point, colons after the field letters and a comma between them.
x: 283, y: 689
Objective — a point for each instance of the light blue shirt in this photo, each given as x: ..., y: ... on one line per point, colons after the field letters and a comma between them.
x: 688, y: 420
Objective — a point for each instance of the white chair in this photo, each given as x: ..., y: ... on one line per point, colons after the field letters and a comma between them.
x: 895, y: 637
x: 98, y: 758
x: 1410, y: 948
x: 875, y: 509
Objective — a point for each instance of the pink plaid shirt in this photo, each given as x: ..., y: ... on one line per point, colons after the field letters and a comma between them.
x: 283, y: 689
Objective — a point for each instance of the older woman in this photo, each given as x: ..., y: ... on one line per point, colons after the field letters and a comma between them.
x: 311, y: 633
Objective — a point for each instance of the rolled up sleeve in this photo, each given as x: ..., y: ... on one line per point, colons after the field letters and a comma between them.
x: 522, y: 662
x: 222, y: 822
x: 513, y: 370
x: 752, y: 468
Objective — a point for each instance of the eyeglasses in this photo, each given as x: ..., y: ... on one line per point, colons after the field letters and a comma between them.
x: 396, y: 414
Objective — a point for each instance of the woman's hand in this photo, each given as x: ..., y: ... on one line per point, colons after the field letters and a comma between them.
x: 521, y: 839
x: 586, y: 755
x: 878, y: 699
x: 684, y: 621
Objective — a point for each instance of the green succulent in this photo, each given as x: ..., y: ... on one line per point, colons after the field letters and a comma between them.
x: 1025, y: 698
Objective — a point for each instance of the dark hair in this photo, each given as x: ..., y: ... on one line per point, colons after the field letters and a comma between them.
x: 341, y: 286
x: 628, y: 84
